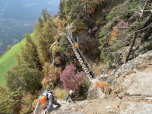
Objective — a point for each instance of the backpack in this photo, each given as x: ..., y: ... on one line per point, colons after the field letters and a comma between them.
x: 45, y: 93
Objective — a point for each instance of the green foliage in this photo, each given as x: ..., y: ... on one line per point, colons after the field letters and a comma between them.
x: 29, y: 53
x: 10, y: 101
x: 78, y: 27
x: 44, y: 38
x: 27, y: 104
x: 23, y: 76
x: 46, y: 15
x: 68, y: 6
x: 63, y: 43
x: 116, y: 18
x: 61, y: 10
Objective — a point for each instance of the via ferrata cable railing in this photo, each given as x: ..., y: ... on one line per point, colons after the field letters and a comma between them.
x: 69, y: 37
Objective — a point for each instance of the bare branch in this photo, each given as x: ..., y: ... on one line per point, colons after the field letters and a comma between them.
x: 144, y: 8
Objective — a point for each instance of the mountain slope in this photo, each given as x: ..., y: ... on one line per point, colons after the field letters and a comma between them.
x: 8, y: 61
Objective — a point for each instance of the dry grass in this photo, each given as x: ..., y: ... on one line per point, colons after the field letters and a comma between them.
x: 97, y: 68
x: 60, y: 93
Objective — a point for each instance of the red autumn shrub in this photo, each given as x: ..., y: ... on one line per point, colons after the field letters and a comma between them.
x: 74, y: 80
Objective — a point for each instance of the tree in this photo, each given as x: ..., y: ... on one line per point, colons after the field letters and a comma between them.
x: 68, y: 6
x: 61, y: 10
x: 46, y: 15
x: 40, y: 22
x: 10, y: 101
x: 31, y: 52
x: 44, y: 37
x: 125, y: 21
x: 24, y: 76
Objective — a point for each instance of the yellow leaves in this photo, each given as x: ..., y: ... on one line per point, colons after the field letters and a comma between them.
x: 61, y: 93
x: 64, y: 23
x: 103, y: 85
x: 44, y: 83
x: 76, y: 45
x: 34, y: 103
x: 55, y: 49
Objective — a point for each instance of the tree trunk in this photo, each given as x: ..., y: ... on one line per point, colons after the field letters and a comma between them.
x: 135, y: 36
x: 133, y: 42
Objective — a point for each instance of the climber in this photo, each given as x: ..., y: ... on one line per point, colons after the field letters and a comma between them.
x: 91, y: 73
x: 72, y: 96
x: 46, y: 97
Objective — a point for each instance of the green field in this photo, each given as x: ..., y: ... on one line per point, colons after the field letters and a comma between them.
x: 8, y: 61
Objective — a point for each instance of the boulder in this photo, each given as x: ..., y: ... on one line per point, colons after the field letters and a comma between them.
x: 92, y: 93
x: 94, y: 29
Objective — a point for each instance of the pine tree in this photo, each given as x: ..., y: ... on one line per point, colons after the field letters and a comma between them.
x: 10, y: 101
x: 44, y: 37
x: 30, y: 77
x: 31, y: 51
x: 40, y: 22
x: 61, y: 10
x: 24, y: 76
x: 68, y: 7
x: 45, y: 14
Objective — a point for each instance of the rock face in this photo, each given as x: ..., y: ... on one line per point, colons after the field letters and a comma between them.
x: 133, y: 83
x: 135, y: 108
x: 106, y: 106
x: 92, y: 93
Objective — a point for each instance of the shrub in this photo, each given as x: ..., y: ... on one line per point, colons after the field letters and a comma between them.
x: 52, y: 77
x: 57, y: 60
x: 61, y: 93
x: 74, y: 80
x: 78, y: 27
x: 56, y: 48
x: 34, y: 103
x: 103, y: 85
x: 97, y: 68
x: 27, y: 107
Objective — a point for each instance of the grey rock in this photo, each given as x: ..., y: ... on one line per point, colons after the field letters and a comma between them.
x: 98, y: 31
x: 135, y: 108
x: 134, y: 77
x: 92, y: 93
x: 94, y: 29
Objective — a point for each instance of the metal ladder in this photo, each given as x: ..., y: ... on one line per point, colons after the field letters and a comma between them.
x: 69, y: 36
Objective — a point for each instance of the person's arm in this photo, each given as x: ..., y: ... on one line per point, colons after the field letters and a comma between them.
x: 67, y: 96
x: 50, y: 97
x: 37, y: 106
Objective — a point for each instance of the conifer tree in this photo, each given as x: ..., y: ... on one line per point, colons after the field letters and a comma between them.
x: 24, y: 76
x: 46, y: 15
x: 44, y: 37
x: 40, y: 22
x: 61, y: 10
x: 31, y: 52
x: 68, y: 7
x: 10, y: 101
